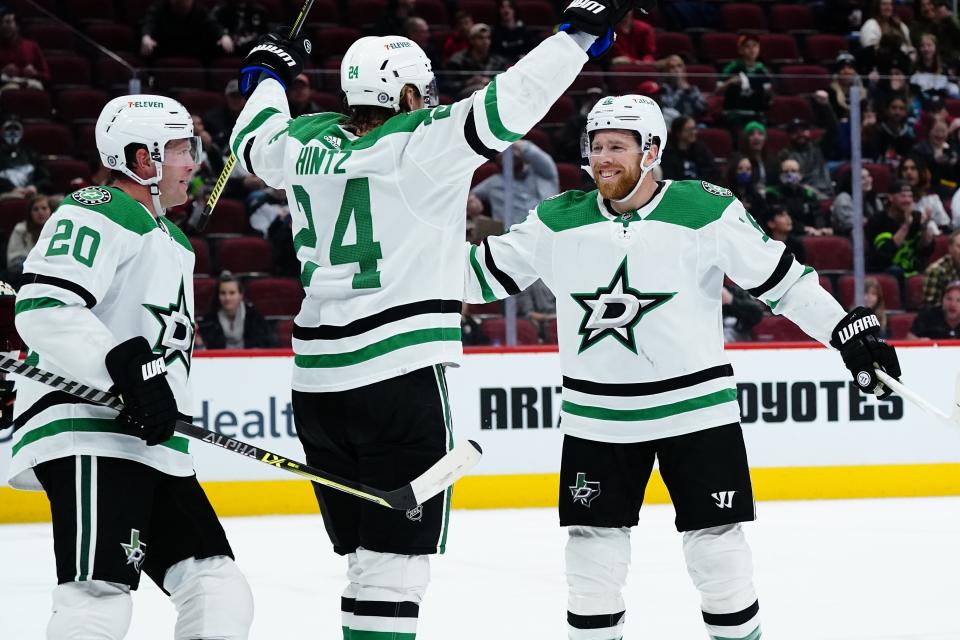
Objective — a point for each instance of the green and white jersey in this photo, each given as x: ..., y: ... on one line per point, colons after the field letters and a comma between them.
x: 103, y: 271
x: 378, y: 220
x: 638, y: 303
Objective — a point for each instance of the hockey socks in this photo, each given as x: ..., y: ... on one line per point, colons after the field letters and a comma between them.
x: 741, y: 625
x: 382, y: 601
x: 598, y: 627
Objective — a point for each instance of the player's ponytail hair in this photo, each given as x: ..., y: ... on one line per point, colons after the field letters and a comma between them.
x: 364, y: 118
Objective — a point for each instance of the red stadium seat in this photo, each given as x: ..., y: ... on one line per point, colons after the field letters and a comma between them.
x: 68, y: 70
x: 80, y: 105
x: 941, y: 244
x: 64, y: 170
x: 245, y: 255
x: 204, y: 289
x: 482, y: 10
x: 743, y: 18
x: 111, y: 74
x: 28, y: 104
x: 275, y: 296
x: 783, y: 109
x: 827, y: 285
x: 48, y: 138
x: 496, y: 330
x: 915, y: 292
x: 229, y: 217
x: 483, y: 172
x: 571, y: 176
x: 328, y: 102
x: 540, y: 138
x: 334, y: 41
x: 778, y: 329
x: 792, y: 18
x: 116, y: 37
x: 702, y: 76
x: 179, y: 73
x: 881, y: 174
x: 718, y: 48
x: 85, y: 10
x: 590, y: 76
x: 52, y: 36
x: 487, y: 309
x: 365, y: 12
x: 551, y: 337
x: 804, y: 78
x: 669, y: 43
x: 899, y: 325
x: 828, y: 253
x: 779, y: 48
x: 718, y: 141
x: 285, y: 333
x: 777, y: 139
x: 891, y: 290
x: 561, y: 111
x: 537, y: 13
x: 822, y: 48
x: 198, y: 101
x: 433, y: 11
x: 323, y: 11
x: 201, y: 253
x: 12, y: 211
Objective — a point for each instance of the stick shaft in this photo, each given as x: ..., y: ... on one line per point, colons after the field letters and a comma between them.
x: 911, y: 395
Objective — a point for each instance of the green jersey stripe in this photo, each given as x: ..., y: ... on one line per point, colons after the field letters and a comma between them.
x: 477, y: 269
x: 497, y: 127
x: 88, y: 425
x: 361, y: 634
x: 754, y: 635
x: 652, y: 413
x: 31, y: 304
x: 258, y: 120
x: 376, y: 349
x: 85, y: 518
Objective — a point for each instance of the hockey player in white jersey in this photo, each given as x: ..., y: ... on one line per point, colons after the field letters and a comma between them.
x: 107, y: 300
x: 377, y: 199
x: 637, y: 267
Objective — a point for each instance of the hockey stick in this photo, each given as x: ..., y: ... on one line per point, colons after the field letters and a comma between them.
x: 437, y: 478
x: 232, y: 160
x: 953, y: 419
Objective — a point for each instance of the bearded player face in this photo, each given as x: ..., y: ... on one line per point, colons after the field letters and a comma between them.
x: 615, y: 159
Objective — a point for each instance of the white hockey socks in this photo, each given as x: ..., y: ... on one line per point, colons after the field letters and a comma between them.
x: 721, y: 567
x: 597, y: 562
x: 90, y: 610
x: 212, y: 598
x: 387, y: 589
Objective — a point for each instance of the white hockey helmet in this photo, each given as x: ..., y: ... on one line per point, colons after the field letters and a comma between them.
x: 636, y: 113
x: 375, y: 69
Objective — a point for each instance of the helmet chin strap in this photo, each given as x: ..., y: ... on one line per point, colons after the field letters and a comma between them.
x: 636, y: 187
x: 155, y: 196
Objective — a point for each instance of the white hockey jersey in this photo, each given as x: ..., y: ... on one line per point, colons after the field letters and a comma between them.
x: 638, y: 303
x: 378, y: 220
x: 103, y: 271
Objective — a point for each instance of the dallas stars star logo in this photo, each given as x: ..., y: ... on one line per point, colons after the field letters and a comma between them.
x: 175, y: 340
x: 136, y: 551
x: 615, y: 310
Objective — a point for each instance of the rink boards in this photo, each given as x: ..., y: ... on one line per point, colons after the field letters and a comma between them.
x: 809, y: 433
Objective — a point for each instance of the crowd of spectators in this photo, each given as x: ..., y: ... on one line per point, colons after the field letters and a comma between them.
x: 740, y: 111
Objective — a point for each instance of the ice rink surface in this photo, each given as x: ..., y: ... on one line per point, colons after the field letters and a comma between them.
x: 826, y: 570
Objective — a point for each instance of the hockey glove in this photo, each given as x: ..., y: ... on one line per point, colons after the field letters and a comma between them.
x: 857, y: 337
x: 273, y: 57
x: 140, y: 378
x: 600, y: 46
x: 596, y: 17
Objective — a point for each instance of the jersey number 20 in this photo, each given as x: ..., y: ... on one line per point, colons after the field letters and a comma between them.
x: 85, y: 244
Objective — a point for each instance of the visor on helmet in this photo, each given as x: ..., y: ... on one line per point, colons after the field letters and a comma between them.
x: 182, y: 152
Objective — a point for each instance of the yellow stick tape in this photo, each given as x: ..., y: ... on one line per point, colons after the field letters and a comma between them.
x: 248, y: 498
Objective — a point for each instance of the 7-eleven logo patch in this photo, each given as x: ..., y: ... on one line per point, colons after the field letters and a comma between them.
x: 584, y: 491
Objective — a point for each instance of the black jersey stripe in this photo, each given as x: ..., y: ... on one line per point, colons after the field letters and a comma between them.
x: 362, y: 325
x: 247, y: 148
x: 732, y: 619
x: 505, y: 281
x: 386, y: 609
x: 602, y: 621
x: 347, y: 604
x: 51, y: 399
x: 786, y: 261
x: 35, y: 278
x: 647, y: 388
x: 473, y: 138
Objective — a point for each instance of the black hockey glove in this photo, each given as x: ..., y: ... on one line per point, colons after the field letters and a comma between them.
x: 273, y: 57
x: 140, y: 378
x: 857, y: 337
x: 596, y: 17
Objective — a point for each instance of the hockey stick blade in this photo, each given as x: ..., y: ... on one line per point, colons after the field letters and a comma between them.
x: 915, y: 398
x: 437, y: 478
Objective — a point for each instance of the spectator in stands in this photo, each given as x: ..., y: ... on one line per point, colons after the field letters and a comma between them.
x: 752, y: 143
x: 936, y: 17
x: 892, y: 138
x: 265, y: 206
x: 23, y: 173
x: 245, y: 22
x: 476, y: 65
x: 799, y: 200
x: 470, y: 333
x: 941, y: 322
x: 746, y: 185
x: 942, y: 158
x: 459, y: 40
x: 913, y: 170
x: 219, y: 121
x: 747, y: 85
x: 212, y: 158
x: 741, y: 313
x: 677, y: 96
x: 944, y: 270
x: 535, y: 178
x: 841, y: 211
x: 182, y: 28
x: 418, y: 30
x: 685, y: 157
x: 21, y: 61
x: 930, y: 75
x: 299, y: 97
x: 898, y: 241
x: 232, y: 322
x: 392, y: 21
x: 844, y: 77
x: 537, y: 304
x: 873, y: 300
x: 885, y: 30
x: 510, y: 36
x: 779, y: 225
x: 634, y: 42
x: 813, y: 166
x: 25, y: 234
